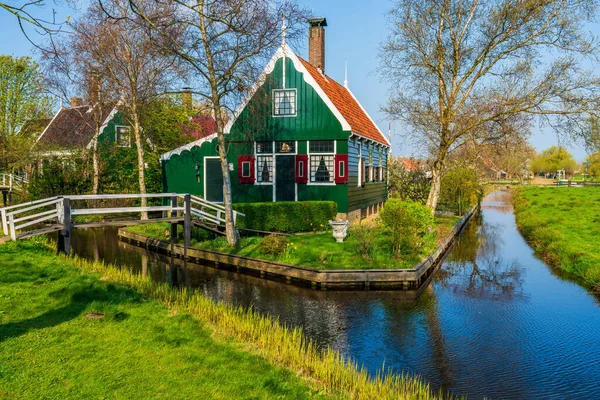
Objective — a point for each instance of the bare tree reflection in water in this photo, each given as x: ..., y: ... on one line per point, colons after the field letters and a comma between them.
x: 476, y: 267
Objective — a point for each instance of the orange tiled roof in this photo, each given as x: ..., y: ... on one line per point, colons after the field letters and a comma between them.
x: 347, y: 105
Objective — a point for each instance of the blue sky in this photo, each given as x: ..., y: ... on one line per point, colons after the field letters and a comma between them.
x: 355, y: 32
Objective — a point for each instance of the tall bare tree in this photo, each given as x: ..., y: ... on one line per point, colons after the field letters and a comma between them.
x: 223, y: 43
x: 463, y: 70
x: 122, y: 56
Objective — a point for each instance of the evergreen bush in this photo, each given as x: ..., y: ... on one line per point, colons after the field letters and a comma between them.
x: 287, y: 217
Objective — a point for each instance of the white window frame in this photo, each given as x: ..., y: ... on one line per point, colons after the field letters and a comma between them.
x: 295, y: 106
x: 249, y: 169
x: 256, y: 156
x: 341, y: 167
x: 310, y: 182
x: 360, y: 167
x: 117, y: 135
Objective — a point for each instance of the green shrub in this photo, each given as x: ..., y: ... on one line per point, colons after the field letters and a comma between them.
x: 364, y: 239
x: 274, y: 245
x: 288, y: 217
x: 407, y: 221
x: 460, y: 190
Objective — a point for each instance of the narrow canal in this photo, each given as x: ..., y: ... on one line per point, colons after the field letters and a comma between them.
x: 494, y: 322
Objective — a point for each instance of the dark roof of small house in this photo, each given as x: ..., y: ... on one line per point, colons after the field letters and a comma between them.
x: 74, y: 127
x: 348, y: 106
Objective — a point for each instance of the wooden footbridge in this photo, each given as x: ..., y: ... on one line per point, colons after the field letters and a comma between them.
x: 11, y: 183
x: 54, y: 214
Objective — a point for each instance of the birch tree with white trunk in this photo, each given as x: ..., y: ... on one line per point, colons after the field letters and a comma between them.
x: 224, y: 45
x: 461, y: 70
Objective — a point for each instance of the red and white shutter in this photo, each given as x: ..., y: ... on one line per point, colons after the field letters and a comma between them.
x: 341, y: 168
x: 302, y: 168
x: 246, y: 169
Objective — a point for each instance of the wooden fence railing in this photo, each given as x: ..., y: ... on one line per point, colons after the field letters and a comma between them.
x: 178, y: 208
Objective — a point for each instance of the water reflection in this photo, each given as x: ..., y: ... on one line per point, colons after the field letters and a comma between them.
x: 494, y: 322
x: 477, y: 267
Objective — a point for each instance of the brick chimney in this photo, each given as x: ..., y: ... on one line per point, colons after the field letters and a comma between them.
x: 186, y: 99
x: 76, y: 102
x: 94, y: 86
x: 316, y: 43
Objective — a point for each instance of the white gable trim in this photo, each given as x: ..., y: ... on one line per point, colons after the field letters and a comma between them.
x: 285, y: 51
x: 187, y: 147
x: 371, y: 119
x: 47, y: 126
x: 103, y: 126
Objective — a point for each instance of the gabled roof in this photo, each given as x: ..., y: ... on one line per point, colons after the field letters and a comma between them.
x: 75, y: 127
x: 343, y: 99
x: 340, y: 100
x: 34, y: 126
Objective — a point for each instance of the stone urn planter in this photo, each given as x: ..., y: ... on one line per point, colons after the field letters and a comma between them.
x: 340, y: 230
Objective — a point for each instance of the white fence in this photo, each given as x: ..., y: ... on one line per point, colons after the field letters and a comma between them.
x: 12, y: 181
x: 17, y: 217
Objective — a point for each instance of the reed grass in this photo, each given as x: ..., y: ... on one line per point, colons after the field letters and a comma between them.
x: 326, y: 370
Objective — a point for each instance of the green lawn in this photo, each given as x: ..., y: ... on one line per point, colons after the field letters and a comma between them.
x: 51, y: 346
x: 320, y: 250
x: 154, y: 341
x: 563, y: 226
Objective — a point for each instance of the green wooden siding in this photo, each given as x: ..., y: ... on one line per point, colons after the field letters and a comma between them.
x: 372, y: 192
x: 313, y: 121
x: 108, y: 134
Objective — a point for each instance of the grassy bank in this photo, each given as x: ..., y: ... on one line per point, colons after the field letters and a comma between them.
x: 563, y: 226
x: 320, y: 250
x: 153, y: 340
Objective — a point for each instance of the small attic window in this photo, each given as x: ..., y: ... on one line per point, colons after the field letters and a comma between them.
x: 284, y: 102
x: 122, y: 136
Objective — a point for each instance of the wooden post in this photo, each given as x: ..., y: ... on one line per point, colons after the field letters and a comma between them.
x: 64, y: 236
x: 173, y: 224
x: 187, y: 221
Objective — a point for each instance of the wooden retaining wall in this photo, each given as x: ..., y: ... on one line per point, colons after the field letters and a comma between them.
x: 403, y: 279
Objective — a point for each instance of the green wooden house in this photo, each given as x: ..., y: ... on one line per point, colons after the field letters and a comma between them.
x: 299, y: 135
x: 73, y: 129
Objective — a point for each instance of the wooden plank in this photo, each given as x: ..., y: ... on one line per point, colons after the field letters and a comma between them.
x: 85, y: 225
x: 208, y: 228
x: 42, y: 231
x: 118, y: 196
x: 95, y: 211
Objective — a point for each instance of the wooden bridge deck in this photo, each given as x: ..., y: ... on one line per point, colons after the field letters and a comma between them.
x: 44, y: 216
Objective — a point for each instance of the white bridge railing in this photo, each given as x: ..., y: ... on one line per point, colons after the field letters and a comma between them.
x: 17, y: 217
x: 12, y: 181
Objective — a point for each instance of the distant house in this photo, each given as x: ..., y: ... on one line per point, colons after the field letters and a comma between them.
x: 299, y: 135
x: 74, y: 128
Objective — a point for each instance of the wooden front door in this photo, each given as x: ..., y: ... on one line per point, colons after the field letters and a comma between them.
x: 285, y: 179
x: 213, y: 180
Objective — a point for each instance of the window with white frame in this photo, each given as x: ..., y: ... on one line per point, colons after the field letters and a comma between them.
x: 264, y: 167
x: 264, y: 162
x: 284, y: 102
x: 122, y: 136
x: 322, y: 161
